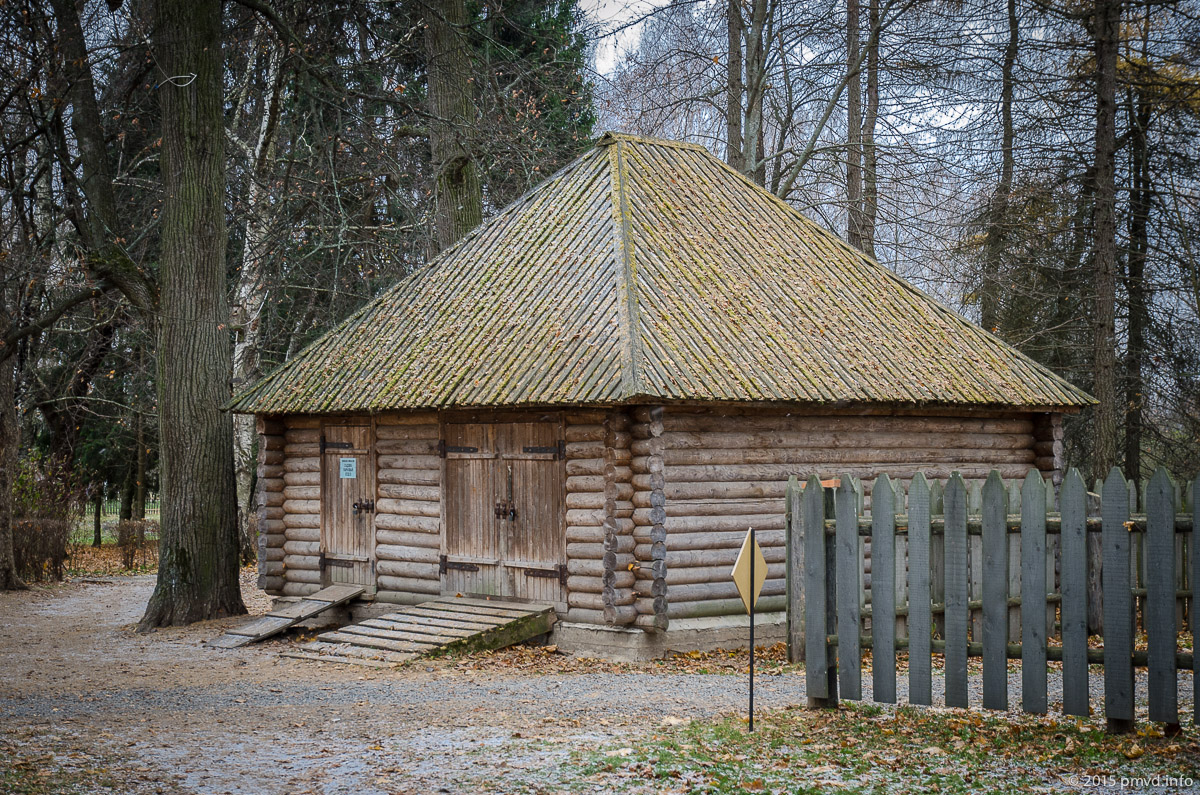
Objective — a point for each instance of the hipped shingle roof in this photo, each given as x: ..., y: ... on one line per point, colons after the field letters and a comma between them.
x: 648, y: 270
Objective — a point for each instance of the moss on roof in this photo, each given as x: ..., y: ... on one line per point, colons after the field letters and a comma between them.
x: 648, y: 269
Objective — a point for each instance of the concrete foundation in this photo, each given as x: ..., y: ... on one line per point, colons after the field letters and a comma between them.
x: 683, y: 635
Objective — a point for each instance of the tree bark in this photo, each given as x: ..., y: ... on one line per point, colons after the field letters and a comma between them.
x: 754, y: 166
x: 853, y: 128
x: 735, y: 156
x: 870, y: 200
x: 139, y: 493
x: 198, y: 564
x: 1104, y: 341
x: 991, y: 282
x: 458, y: 196
x: 97, y: 519
x: 1140, y: 197
x: 9, y: 440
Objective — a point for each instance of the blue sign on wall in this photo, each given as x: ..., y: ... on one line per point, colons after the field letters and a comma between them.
x: 348, y: 468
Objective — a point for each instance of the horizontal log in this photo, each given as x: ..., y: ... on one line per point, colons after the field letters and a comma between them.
x: 293, y: 563
x: 584, y: 416
x: 593, y: 534
x: 407, y: 447
x: 271, y: 583
x: 587, y: 584
x: 585, y: 466
x: 396, y: 552
x: 270, y: 527
x: 271, y: 499
x: 594, y: 601
x: 418, y: 524
x: 576, y: 450
x: 717, y: 475
x: 587, y: 500
x: 271, y: 457
x: 403, y: 491
x: 303, y: 533
x: 401, y: 538
x: 387, y: 582
x: 718, y: 524
x: 272, y: 540
x: 420, y: 430
x: 302, y: 421
x: 585, y: 518
x: 584, y: 433
x: 585, y: 483
x: 302, y: 492
x: 416, y: 570
x: 406, y: 418
x: 619, y: 561
x: 411, y: 477
x: 291, y: 520
x: 302, y: 506
x: 707, y: 608
x: 299, y: 588
x: 711, y: 590
x: 302, y: 478
x: 305, y: 464
x: 408, y: 507
x: 270, y: 472
x: 824, y: 457
x: 704, y: 558
x: 266, y: 512
x: 302, y: 549
x: 620, y: 615
x: 301, y: 449
x: 271, y: 555
x: 774, y: 489
x: 712, y: 574
x: 274, y: 441
x: 585, y: 567
x: 760, y: 421
x: 694, y: 541
x: 410, y: 462
x: 302, y: 436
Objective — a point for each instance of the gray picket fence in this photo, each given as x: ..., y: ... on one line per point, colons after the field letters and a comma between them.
x: 943, y: 579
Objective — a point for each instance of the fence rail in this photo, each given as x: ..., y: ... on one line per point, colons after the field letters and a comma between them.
x: 944, y: 569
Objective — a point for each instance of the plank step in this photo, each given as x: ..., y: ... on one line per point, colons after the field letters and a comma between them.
x: 279, y: 620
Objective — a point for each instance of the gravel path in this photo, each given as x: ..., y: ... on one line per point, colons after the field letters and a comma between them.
x: 177, y: 716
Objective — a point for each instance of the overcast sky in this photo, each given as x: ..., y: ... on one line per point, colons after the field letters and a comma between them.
x: 608, y: 15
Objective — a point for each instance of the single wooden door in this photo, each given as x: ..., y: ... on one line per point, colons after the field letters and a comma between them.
x: 535, y: 548
x: 347, y: 506
x: 471, y: 550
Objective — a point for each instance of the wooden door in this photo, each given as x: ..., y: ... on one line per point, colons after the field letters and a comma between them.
x: 504, y: 501
x: 347, y: 506
x: 535, y: 551
x: 471, y: 546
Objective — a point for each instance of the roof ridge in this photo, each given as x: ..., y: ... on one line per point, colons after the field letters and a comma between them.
x: 612, y: 136
x: 627, y: 303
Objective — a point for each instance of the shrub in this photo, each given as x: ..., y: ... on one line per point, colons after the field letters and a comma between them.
x: 47, y: 503
x: 134, y: 536
x: 40, y: 548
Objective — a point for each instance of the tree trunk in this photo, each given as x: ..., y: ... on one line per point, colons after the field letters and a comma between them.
x: 9, y: 440
x: 853, y: 128
x: 1104, y: 341
x: 198, y: 564
x: 98, y: 520
x: 139, y: 489
x: 250, y: 298
x: 128, y: 487
x: 1140, y: 197
x: 870, y: 200
x: 991, y: 283
x: 735, y: 155
x: 754, y: 166
x: 458, y: 197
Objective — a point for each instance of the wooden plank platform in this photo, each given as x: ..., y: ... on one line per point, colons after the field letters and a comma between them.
x: 447, y: 624
x: 278, y: 620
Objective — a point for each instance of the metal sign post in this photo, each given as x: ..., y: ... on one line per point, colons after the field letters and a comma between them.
x: 749, y: 573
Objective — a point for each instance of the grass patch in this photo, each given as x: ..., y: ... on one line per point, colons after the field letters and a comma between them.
x: 869, y: 749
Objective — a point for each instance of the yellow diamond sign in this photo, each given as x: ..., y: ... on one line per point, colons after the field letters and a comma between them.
x: 749, y: 587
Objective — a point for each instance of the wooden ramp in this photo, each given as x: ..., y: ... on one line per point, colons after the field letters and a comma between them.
x: 447, y: 624
x: 279, y: 620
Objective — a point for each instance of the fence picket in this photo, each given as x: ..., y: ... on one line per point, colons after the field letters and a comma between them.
x: 1195, y: 536
x: 816, y: 662
x: 975, y: 561
x: 883, y: 605
x: 956, y: 592
x: 1073, y: 505
x: 796, y: 572
x: 995, y: 593
x: 1117, y: 608
x: 937, y: 560
x: 920, y: 670
x: 1033, y: 593
x: 1160, y: 600
x: 849, y: 589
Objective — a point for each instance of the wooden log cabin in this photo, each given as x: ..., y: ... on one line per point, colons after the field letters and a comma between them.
x: 590, y: 398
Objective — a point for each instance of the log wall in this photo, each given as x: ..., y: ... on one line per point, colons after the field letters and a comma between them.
x: 726, y: 470
x: 301, y: 505
x: 271, y: 530
x: 407, y: 507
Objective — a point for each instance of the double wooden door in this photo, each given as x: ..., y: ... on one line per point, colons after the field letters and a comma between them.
x: 347, y: 506
x: 504, y: 498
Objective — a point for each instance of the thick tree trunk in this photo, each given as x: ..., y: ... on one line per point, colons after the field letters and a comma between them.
x: 458, y: 195
x: 992, y: 279
x: 198, y: 564
x: 870, y: 181
x: 128, y: 487
x: 735, y: 156
x: 1104, y: 341
x: 854, y: 222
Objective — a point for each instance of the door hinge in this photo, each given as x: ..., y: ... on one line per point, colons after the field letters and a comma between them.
x: 559, y: 573
x: 444, y: 564
x: 325, y: 445
x: 559, y: 451
x: 444, y: 448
